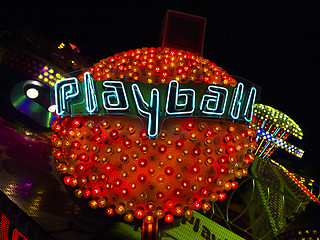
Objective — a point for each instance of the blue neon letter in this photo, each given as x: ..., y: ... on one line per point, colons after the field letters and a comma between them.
x: 248, y: 112
x: 214, y: 103
x: 114, y: 97
x: 90, y: 90
x: 150, y: 111
x: 179, y: 101
x: 236, y: 101
x: 65, y: 90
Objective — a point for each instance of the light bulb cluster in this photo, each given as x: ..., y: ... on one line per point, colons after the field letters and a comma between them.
x: 278, y: 119
x: 112, y: 163
x: 273, y: 128
x: 160, y: 65
x: 302, y: 187
x: 49, y: 75
x: 278, y: 142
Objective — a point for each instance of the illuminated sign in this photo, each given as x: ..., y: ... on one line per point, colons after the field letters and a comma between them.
x: 16, y: 224
x: 7, y: 231
x: 197, y: 227
x: 90, y: 97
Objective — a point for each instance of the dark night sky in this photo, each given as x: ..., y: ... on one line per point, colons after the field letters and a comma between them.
x: 274, y: 44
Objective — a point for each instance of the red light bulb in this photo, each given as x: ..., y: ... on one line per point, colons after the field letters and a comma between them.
x: 168, y: 171
x: 117, y: 182
x: 124, y: 158
x: 67, y: 180
x: 96, y: 130
x: 75, y: 145
x: 244, y: 134
x: 58, y: 154
x: 222, y: 170
x: 189, y: 126
x: 160, y: 195
x: 231, y: 149
x: 114, y: 134
x: 96, y: 191
x: 139, y: 213
x: 179, y: 144
x: 222, y: 196
x: 124, y: 192
x: 97, y: 138
x: 83, y: 157
x: 142, y: 162
x: 195, y: 169
x: 108, y: 168
x: 209, y: 161
x: 57, y: 127
x: 206, y: 78
x: 162, y: 148
x: 144, y: 148
x: 86, y: 193
x: 81, y: 167
x: 178, y: 193
x: 208, y: 151
x: 157, y: 69
x: 227, y: 138
x: 142, y: 178
x: 76, y: 123
x: 64, y: 131
x: 144, y: 62
x: 196, y: 151
x: 169, y: 218
x: 143, y: 135
x: 127, y: 142
x: 169, y: 204
x: 164, y: 74
x: 223, y: 160
x: 185, y: 184
x: 209, y: 132
x: 54, y: 136
x: 234, y: 184
x: 197, y: 205
x: 110, y: 211
x: 247, y: 160
x: 205, y: 192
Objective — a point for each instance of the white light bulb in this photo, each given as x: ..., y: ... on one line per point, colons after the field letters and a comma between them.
x: 52, y: 108
x: 32, y: 93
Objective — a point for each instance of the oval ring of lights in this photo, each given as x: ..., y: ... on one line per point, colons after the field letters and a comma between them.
x: 110, y: 160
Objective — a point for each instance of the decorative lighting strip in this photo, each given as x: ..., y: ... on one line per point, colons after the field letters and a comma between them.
x: 278, y: 142
x: 29, y: 65
x: 278, y: 118
x: 306, y: 190
x: 160, y: 66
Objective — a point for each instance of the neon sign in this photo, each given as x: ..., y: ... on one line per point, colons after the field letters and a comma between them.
x: 5, y: 229
x: 90, y: 97
x: 15, y: 224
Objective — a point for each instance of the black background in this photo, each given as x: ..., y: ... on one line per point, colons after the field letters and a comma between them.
x: 274, y: 44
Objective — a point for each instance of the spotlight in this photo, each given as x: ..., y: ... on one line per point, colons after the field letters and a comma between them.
x: 32, y: 93
x: 52, y: 108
